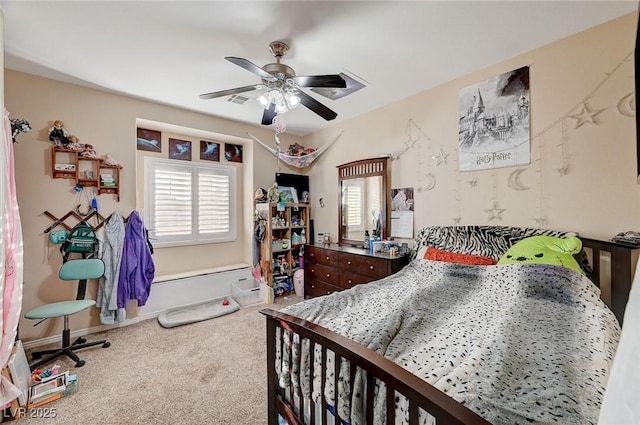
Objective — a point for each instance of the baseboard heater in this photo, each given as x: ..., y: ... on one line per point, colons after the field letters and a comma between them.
x: 175, y: 290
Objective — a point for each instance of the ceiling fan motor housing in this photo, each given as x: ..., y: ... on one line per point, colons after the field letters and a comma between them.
x: 278, y: 49
x: 279, y: 70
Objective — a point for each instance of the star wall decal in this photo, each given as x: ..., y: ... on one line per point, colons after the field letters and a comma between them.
x: 495, y: 212
x: 540, y: 220
x: 564, y: 170
x: 473, y: 182
x: 457, y: 219
x: 441, y: 157
x: 586, y: 116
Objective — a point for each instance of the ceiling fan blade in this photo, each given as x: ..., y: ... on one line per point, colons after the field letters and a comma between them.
x: 251, y: 67
x: 269, y: 115
x: 316, y: 106
x: 333, y: 80
x: 229, y: 92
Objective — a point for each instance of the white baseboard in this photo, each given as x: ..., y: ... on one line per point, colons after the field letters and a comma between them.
x: 55, y: 339
x: 168, y: 292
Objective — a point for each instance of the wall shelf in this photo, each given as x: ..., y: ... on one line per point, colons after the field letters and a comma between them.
x: 88, y: 172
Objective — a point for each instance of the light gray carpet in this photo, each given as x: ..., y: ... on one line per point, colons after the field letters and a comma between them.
x: 211, y: 372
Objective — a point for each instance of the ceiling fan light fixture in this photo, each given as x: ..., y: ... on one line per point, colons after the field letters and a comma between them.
x: 292, y: 100
x: 263, y: 101
x: 281, y: 107
x: 275, y: 96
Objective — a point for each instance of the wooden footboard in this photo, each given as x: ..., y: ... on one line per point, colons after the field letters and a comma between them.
x: 420, y: 394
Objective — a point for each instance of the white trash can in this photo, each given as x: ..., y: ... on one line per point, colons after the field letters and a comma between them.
x: 298, y: 282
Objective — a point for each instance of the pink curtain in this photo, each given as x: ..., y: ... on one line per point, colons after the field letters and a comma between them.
x: 11, y: 285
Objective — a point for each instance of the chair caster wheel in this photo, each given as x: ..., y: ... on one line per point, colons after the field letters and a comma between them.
x: 81, y: 340
x: 106, y: 344
x: 80, y: 363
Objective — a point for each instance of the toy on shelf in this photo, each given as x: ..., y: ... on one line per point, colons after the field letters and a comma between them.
x: 88, y: 152
x: 74, y: 144
x: 58, y: 134
x: 111, y: 161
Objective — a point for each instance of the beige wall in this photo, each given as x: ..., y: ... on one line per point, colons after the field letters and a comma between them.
x: 599, y: 196
x: 108, y: 122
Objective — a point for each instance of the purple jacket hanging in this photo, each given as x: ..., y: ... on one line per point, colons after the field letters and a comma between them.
x: 136, y: 267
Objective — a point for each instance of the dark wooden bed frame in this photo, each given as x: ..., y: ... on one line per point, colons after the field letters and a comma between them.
x: 420, y: 394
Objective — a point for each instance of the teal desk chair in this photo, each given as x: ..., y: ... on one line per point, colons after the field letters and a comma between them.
x: 80, y: 270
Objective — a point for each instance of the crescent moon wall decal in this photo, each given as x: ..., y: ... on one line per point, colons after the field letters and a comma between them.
x: 627, y: 105
x: 431, y: 181
x: 513, y: 182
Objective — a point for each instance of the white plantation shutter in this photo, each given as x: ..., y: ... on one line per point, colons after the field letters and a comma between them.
x: 172, y: 201
x: 189, y: 204
x: 213, y: 197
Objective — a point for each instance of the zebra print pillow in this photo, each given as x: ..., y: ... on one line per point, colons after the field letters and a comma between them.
x: 487, y: 241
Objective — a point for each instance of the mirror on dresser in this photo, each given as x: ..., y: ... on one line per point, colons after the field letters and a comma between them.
x: 364, y: 200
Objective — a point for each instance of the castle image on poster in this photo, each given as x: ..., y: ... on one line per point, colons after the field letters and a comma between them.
x: 493, y: 129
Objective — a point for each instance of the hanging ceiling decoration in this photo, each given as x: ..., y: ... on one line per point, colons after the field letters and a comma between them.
x: 303, y: 160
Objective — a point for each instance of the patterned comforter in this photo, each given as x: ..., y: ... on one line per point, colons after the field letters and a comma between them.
x: 517, y: 344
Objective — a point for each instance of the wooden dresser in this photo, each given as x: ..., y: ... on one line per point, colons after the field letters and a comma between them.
x: 331, y: 268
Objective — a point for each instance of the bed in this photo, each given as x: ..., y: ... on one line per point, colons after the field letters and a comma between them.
x: 448, y: 343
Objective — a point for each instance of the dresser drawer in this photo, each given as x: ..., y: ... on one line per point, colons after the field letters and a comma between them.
x: 315, y: 288
x: 377, y: 268
x: 317, y: 255
x: 326, y: 274
x: 349, y: 280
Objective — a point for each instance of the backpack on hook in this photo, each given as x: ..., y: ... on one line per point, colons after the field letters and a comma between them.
x: 81, y: 240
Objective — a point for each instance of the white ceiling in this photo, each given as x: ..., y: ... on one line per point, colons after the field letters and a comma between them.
x: 172, y: 51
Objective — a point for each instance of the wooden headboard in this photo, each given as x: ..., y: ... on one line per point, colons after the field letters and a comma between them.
x: 623, y: 259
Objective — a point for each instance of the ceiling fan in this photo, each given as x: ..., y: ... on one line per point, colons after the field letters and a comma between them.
x: 284, y: 86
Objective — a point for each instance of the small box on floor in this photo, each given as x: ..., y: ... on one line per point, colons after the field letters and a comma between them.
x: 246, y: 292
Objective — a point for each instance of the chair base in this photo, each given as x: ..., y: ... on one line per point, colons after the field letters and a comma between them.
x: 67, y: 349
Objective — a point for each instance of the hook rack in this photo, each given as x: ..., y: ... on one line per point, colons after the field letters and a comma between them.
x: 73, y: 214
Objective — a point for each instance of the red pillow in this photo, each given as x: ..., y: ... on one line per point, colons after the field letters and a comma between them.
x: 453, y: 257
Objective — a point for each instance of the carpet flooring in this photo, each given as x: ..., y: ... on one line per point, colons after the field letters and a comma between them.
x: 210, y: 372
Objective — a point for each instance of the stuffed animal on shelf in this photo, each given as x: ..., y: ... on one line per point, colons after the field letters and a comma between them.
x: 111, y: 161
x: 58, y: 134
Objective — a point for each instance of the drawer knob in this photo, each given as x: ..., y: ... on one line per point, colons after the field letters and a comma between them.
x: 313, y: 286
x: 370, y: 267
x: 327, y: 257
x: 328, y: 275
x: 349, y: 281
x: 349, y: 262
x: 313, y: 270
x: 311, y: 254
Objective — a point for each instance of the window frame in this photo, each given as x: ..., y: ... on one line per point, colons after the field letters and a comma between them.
x: 151, y: 164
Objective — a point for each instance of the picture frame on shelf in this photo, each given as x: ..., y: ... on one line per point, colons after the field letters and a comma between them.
x: 288, y: 194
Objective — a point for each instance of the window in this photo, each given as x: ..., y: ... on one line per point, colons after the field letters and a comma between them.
x: 188, y: 204
x: 353, y: 198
